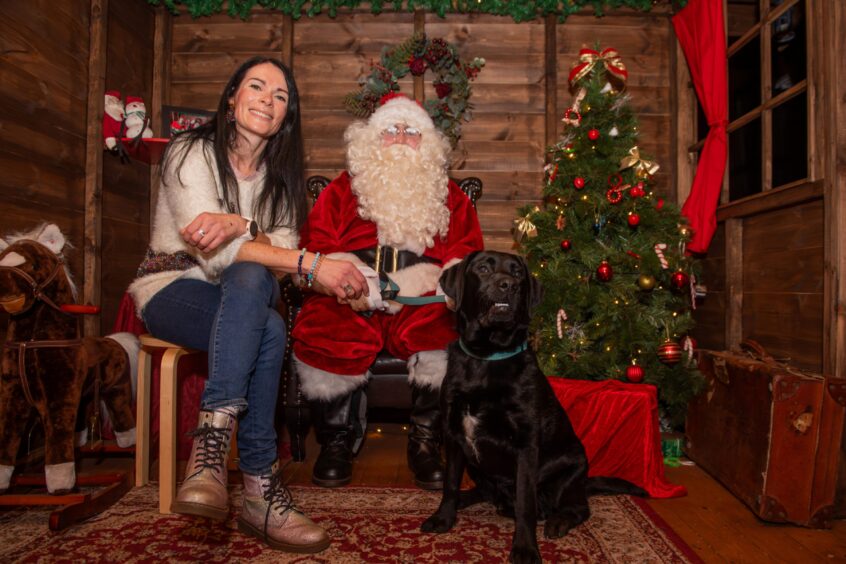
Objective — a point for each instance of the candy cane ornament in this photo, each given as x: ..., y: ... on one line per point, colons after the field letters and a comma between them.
x: 687, y: 345
x: 692, y: 291
x: 659, y: 250
x: 559, y: 322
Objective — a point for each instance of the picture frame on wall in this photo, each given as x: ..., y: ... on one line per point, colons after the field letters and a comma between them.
x: 176, y: 119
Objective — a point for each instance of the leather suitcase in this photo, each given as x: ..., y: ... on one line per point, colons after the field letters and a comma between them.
x: 769, y: 433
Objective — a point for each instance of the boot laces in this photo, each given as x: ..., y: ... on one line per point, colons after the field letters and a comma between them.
x: 211, y: 448
x: 276, y: 493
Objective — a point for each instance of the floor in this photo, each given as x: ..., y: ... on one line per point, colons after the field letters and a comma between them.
x: 716, y: 525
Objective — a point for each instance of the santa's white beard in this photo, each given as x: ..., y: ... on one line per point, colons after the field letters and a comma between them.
x: 402, y: 190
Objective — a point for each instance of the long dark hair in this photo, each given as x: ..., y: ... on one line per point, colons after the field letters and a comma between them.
x: 282, y: 200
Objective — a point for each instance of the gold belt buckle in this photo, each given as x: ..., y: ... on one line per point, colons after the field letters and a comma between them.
x: 380, y: 258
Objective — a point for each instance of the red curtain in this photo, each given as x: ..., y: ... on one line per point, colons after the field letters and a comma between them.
x: 701, y: 33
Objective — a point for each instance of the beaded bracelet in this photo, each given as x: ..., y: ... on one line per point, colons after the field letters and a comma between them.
x: 300, y: 262
x: 314, y: 272
x: 313, y: 269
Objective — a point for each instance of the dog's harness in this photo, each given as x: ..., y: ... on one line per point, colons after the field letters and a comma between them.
x: 501, y: 355
x: 22, y: 346
x: 385, y: 260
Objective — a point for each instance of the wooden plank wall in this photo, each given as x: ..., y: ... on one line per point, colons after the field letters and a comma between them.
x: 43, y: 96
x: 504, y: 145
x: 126, y: 186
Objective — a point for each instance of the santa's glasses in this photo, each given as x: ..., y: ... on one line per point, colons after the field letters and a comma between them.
x: 399, y: 129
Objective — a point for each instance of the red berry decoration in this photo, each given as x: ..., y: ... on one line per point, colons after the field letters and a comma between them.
x: 634, y: 220
x: 680, y: 280
x: 566, y: 245
x: 604, y: 271
x: 634, y: 373
x: 637, y: 191
x: 593, y: 134
x: 669, y: 352
x: 614, y: 195
x: 579, y: 182
x: 659, y: 204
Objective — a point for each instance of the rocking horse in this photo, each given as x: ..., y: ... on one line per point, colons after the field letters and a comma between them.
x: 46, y: 364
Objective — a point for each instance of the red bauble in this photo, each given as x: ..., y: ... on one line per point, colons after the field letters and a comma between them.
x: 659, y: 204
x: 614, y: 195
x: 634, y: 373
x: 566, y: 245
x: 669, y: 352
x: 637, y: 190
x: 579, y: 182
x: 634, y: 220
x: 593, y: 134
x: 604, y: 271
x: 680, y: 280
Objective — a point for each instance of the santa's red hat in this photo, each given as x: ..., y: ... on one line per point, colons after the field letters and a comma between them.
x: 114, y: 93
x: 399, y: 108
x: 134, y: 99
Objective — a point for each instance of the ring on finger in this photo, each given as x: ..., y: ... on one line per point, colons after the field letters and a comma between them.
x: 348, y: 290
x: 201, y: 232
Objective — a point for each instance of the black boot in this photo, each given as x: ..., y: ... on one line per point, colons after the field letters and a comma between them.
x: 424, y: 453
x: 337, y: 428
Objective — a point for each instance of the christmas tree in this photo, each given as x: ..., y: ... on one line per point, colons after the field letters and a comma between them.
x: 609, y: 251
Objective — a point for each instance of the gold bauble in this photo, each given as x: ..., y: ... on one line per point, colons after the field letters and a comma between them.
x: 646, y: 282
x: 685, y: 231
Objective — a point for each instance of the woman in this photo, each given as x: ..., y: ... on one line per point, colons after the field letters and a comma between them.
x: 231, y: 202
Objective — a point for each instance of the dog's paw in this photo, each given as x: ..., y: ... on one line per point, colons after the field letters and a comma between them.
x: 525, y: 555
x: 556, y: 527
x: 437, y: 523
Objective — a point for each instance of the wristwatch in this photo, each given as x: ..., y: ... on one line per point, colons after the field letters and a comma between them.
x: 252, y: 229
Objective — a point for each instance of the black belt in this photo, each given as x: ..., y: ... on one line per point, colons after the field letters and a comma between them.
x: 384, y: 259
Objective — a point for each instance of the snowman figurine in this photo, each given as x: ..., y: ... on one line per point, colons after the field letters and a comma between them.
x: 136, y: 118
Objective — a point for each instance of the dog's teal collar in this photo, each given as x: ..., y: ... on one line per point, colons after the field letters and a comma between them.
x: 502, y: 355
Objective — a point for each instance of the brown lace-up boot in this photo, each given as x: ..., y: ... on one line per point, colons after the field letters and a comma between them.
x: 203, y: 492
x: 269, y: 513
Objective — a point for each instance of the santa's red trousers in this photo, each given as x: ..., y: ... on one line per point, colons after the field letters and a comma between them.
x: 334, y: 338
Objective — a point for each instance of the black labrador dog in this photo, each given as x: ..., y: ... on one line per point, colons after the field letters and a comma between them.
x: 502, y: 422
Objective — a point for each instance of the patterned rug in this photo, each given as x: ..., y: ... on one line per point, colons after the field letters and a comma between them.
x: 366, y: 525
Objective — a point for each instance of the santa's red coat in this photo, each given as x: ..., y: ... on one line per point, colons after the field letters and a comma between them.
x: 334, y: 338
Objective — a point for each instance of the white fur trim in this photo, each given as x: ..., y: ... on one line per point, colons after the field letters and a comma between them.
x: 60, y: 477
x: 125, y: 438
x: 417, y: 280
x: 401, y: 110
x: 322, y: 385
x: 81, y: 437
x: 130, y: 343
x: 5, y: 476
x: 427, y: 369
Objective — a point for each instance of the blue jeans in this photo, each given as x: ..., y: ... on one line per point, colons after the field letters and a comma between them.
x: 237, y: 323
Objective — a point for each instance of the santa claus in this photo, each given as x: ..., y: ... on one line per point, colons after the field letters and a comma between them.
x: 397, y: 214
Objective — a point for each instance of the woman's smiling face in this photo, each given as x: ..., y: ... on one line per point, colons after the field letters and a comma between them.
x: 261, y: 101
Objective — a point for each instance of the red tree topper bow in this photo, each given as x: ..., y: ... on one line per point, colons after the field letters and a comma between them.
x: 588, y: 59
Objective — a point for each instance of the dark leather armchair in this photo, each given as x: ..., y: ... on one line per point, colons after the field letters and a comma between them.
x: 388, y: 386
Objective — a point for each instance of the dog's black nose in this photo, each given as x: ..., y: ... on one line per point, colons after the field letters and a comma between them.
x: 507, y: 284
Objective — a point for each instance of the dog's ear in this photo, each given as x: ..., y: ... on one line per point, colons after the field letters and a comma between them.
x: 452, y: 282
x: 535, y: 293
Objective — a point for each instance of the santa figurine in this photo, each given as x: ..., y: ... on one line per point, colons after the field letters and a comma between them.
x: 396, y: 214
x: 112, y: 119
x: 136, y: 118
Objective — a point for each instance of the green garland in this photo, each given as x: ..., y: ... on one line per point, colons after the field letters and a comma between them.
x: 415, y: 55
x: 520, y: 11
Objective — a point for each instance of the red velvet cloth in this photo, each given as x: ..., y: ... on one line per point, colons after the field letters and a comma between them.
x: 700, y: 31
x: 618, y: 425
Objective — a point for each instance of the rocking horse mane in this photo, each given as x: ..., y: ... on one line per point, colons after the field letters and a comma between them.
x: 33, y: 235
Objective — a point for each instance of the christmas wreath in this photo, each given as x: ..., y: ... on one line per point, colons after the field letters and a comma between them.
x: 415, y: 55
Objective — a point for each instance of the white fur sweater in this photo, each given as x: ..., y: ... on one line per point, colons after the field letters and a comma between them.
x: 182, y: 197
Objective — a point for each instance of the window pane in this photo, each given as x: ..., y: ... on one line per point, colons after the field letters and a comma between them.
x: 745, y: 160
x: 741, y: 15
x: 745, y: 79
x: 788, y: 48
x: 790, y: 141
